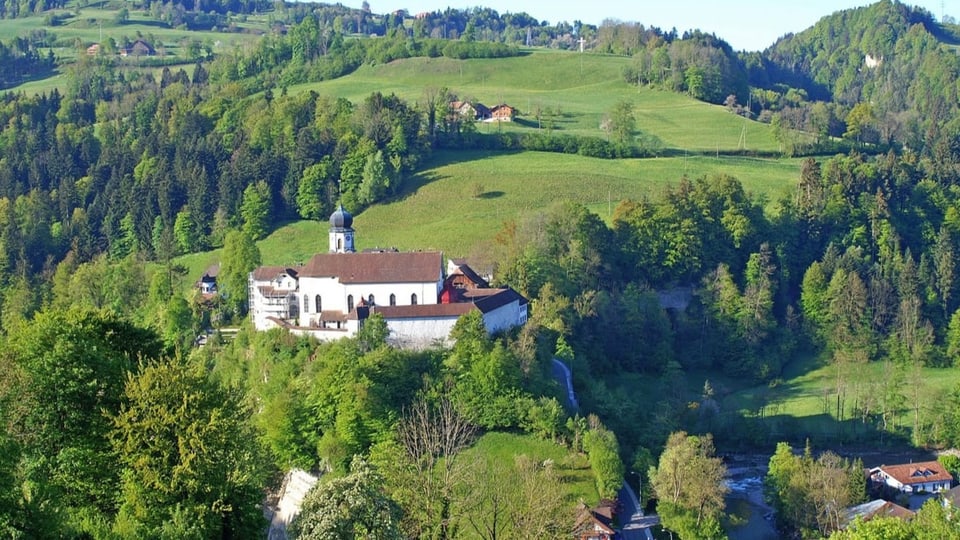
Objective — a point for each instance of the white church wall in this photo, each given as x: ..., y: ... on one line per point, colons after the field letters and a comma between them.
x: 333, y: 294
x: 419, y: 333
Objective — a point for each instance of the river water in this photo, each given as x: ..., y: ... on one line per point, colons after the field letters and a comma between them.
x: 753, y: 517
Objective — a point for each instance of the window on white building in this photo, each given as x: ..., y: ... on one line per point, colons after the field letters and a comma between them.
x: 306, y: 304
x: 349, y: 302
x: 413, y: 299
x: 370, y: 300
x: 319, y: 305
x: 393, y: 299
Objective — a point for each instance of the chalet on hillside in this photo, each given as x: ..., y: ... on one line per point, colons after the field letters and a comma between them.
x: 476, y: 111
x: 207, y: 284
x: 138, y: 48
x: 502, y: 113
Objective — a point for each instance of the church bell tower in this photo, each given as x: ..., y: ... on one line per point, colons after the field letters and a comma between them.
x: 341, y: 231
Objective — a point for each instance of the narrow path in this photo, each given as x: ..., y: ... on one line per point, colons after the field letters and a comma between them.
x: 637, y: 527
x: 563, y: 374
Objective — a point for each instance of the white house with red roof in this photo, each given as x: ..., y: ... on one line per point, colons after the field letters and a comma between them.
x: 921, y: 477
x: 331, y: 295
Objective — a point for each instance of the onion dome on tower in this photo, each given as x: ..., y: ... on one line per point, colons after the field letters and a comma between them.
x: 341, y: 231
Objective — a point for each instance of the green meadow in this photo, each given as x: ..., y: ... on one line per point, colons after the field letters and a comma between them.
x: 572, y: 90
x: 439, y: 207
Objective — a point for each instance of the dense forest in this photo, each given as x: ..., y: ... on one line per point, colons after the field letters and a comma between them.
x: 116, y: 426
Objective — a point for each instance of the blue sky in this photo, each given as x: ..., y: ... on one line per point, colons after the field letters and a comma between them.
x: 745, y: 24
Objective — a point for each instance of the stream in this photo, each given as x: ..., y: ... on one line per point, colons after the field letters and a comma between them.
x: 753, y: 518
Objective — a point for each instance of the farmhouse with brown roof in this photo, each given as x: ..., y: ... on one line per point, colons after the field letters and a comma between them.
x: 926, y: 476
x: 502, y: 113
x: 138, y: 48
x: 332, y: 295
x: 594, y: 523
x: 475, y: 111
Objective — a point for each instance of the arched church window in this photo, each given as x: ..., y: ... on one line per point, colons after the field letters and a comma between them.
x: 306, y: 304
x: 393, y: 299
x: 318, y: 304
x: 413, y: 299
x: 349, y: 302
x: 370, y: 300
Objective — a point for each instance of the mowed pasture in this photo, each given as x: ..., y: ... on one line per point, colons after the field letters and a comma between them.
x: 460, y: 203
x: 573, y: 92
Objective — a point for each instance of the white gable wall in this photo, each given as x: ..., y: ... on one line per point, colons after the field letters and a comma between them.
x: 329, y: 334
x: 505, y: 316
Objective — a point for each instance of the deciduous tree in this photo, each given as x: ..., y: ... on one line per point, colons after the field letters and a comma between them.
x: 240, y: 257
x: 189, y: 454
x: 689, y: 484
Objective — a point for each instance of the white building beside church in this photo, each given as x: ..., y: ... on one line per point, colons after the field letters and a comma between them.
x: 331, y: 295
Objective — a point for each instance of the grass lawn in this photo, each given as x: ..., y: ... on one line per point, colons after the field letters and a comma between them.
x: 575, y: 470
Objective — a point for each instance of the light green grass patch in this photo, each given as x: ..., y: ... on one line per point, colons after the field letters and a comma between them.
x: 94, y: 25
x: 574, y: 468
x: 439, y: 210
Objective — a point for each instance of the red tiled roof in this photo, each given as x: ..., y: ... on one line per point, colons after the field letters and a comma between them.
x: 424, y: 310
x: 593, y: 520
x: 917, y: 473
x: 381, y: 267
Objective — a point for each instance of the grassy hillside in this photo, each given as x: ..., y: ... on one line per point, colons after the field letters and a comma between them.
x: 439, y: 209
x: 574, y: 90
x: 85, y: 26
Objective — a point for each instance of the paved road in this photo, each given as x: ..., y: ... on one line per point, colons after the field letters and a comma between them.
x: 636, y: 526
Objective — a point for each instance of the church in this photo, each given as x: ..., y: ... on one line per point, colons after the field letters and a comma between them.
x: 419, y: 297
